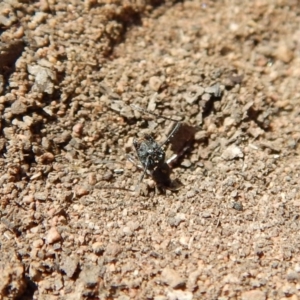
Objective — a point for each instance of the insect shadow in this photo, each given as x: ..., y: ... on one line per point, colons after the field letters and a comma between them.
x: 150, y: 155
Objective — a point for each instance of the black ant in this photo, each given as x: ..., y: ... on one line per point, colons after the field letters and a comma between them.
x: 152, y: 155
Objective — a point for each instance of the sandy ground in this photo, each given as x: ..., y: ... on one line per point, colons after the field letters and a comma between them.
x: 75, y: 223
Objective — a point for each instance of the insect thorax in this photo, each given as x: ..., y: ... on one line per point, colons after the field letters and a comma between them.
x: 149, y: 152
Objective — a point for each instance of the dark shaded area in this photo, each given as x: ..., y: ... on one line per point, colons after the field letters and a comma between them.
x: 31, y: 287
x: 9, y: 53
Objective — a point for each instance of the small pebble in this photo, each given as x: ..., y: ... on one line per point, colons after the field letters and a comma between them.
x: 41, y: 196
x: 98, y: 248
x: 237, y: 205
x: 113, y: 249
x: 81, y: 190
x: 172, y: 278
x: 38, y: 243
x: 179, y: 295
x: 284, y: 54
x: 47, y: 157
x: 69, y: 265
x: 155, y: 83
x: 206, y: 97
x: 186, y: 163
x: 253, y: 295
x: 193, y: 93
x: 53, y: 236
x: 127, y: 231
x: 232, y: 152
x: 18, y: 107
x: 77, y: 129
x: 28, y: 199
x: 214, y: 90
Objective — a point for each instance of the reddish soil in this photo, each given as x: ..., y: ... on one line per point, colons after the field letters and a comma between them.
x: 74, y: 225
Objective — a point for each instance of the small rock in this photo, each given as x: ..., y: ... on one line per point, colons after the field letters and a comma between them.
x: 90, y: 275
x: 293, y: 276
x: 179, y: 295
x: 12, y: 283
x: 253, y: 295
x: 186, y: 163
x: 44, y: 5
x: 190, y: 194
x: 75, y: 143
x: 38, y: 243
x: 28, y: 199
x: 232, y: 152
x: 236, y: 79
x: 237, y: 205
x: 98, y: 248
x: 67, y: 196
x: 127, y: 231
x: 288, y: 289
x: 192, y: 283
x: 155, y: 83
x: 184, y: 240
x: 92, y: 178
x: 28, y: 120
x: 107, y: 176
x: 255, y: 131
x: 206, y: 214
x: 214, y: 90
x: 81, y: 190
x: 227, y: 82
x: 41, y: 196
x: 152, y: 102
x: 44, y: 78
x: 53, y: 236
x: 7, y: 15
x: 62, y: 137
x: 69, y: 265
x: 274, y: 146
x: 193, y: 93
x: 18, y: 107
x: 46, y: 143
x: 46, y: 158
x: 48, y: 110
x: 117, y: 106
x: 175, y: 221
x: 201, y: 135
x: 39, y: 17
x: 77, y: 129
x: 284, y: 54
x: 133, y: 225
x: 232, y: 279
x: 172, y: 278
x: 35, y: 270
x: 229, y: 122
x: 113, y: 249
x: 58, y: 283
x: 206, y: 97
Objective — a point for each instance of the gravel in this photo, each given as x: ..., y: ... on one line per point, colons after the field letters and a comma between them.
x: 72, y: 226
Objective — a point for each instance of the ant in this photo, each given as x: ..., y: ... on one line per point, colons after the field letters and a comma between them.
x: 152, y: 155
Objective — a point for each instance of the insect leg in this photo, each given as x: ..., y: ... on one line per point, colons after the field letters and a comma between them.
x: 151, y: 113
x: 174, y: 130
x: 143, y: 175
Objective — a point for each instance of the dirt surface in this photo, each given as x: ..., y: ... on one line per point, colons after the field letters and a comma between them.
x: 75, y: 223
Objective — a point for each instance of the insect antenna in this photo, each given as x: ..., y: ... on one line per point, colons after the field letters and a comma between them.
x: 151, y: 113
x: 174, y: 130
